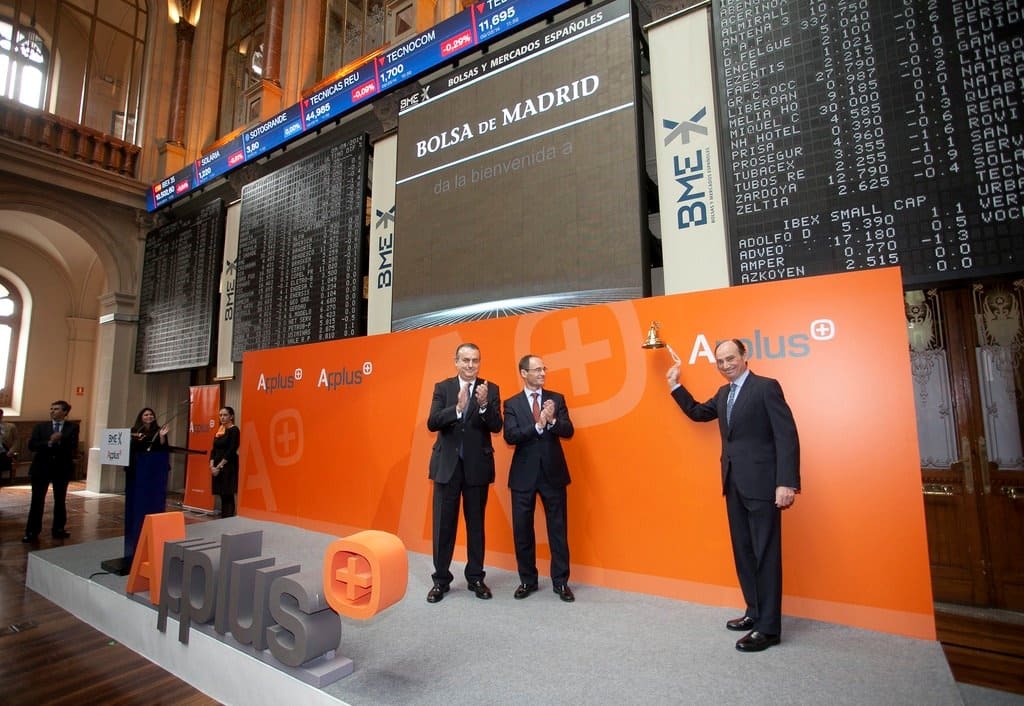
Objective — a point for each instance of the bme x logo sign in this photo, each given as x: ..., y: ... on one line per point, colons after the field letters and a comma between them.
x: 682, y: 130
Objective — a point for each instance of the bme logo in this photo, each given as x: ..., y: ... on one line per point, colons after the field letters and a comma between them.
x: 384, y: 227
x: 688, y: 170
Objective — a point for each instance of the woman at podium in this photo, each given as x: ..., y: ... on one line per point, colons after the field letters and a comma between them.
x: 147, y: 435
x: 145, y: 479
x: 224, y: 461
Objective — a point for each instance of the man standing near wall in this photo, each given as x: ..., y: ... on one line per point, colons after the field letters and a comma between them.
x: 54, y: 445
x: 464, y: 412
x: 8, y: 446
x: 760, y: 479
x: 536, y: 421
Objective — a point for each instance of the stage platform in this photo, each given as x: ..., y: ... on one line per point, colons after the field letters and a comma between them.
x: 609, y: 647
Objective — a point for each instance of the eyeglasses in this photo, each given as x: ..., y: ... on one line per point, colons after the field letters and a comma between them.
x: 537, y: 370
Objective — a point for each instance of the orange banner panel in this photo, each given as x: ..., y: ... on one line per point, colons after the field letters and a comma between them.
x: 334, y: 439
x: 204, y: 404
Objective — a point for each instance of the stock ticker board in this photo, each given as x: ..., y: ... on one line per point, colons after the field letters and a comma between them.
x: 300, y: 244
x: 868, y: 133
x: 480, y: 23
x: 178, y: 293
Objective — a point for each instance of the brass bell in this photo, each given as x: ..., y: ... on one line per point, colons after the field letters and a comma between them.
x: 652, y: 340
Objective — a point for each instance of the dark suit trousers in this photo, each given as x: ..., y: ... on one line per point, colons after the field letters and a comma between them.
x: 756, y: 530
x: 555, y: 513
x: 40, y: 484
x: 446, y: 525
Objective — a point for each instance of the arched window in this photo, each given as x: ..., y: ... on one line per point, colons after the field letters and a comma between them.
x: 243, y: 63
x: 10, y: 326
x: 24, y: 64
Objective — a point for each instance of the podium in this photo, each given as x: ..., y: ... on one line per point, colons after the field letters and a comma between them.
x: 145, y: 493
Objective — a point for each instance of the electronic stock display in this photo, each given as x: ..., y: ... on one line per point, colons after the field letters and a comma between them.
x: 518, y: 182
x: 479, y: 23
x: 299, y: 273
x: 870, y: 133
x: 178, y: 294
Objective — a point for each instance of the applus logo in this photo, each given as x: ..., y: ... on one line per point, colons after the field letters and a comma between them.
x: 761, y: 345
x: 337, y: 379
x: 270, y: 384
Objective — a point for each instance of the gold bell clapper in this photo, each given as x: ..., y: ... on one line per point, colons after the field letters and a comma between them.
x: 653, y: 341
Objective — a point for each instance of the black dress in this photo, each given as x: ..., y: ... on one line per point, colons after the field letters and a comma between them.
x: 225, y: 483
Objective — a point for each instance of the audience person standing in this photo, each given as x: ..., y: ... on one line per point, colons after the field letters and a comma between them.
x: 54, y: 445
x: 8, y: 445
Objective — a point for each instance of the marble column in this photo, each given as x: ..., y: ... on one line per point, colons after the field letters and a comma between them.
x: 115, y: 382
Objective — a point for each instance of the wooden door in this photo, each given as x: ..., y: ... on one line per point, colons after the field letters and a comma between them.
x: 967, y: 360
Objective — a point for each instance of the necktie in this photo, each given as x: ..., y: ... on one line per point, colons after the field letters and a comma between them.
x: 536, y: 406
x: 56, y: 426
x: 729, y: 402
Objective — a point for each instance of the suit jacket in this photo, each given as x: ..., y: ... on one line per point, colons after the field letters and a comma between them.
x: 8, y: 437
x: 8, y: 443
x: 471, y: 434
x: 535, y: 453
x: 760, y: 448
x: 57, y: 461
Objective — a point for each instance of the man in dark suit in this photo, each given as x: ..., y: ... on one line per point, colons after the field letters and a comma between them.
x: 464, y: 412
x: 8, y: 445
x: 536, y: 421
x: 760, y: 478
x: 54, y: 445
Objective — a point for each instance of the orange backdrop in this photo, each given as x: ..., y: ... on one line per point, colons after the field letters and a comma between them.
x: 204, y: 404
x: 334, y: 439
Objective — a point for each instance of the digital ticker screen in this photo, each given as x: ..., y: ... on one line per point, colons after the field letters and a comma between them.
x: 478, y: 24
x: 866, y: 134
x: 178, y: 292
x: 517, y: 178
x: 300, y: 252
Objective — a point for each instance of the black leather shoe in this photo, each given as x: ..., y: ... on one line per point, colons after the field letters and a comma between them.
x: 28, y: 538
x: 524, y: 590
x: 756, y: 641
x: 480, y: 589
x: 742, y: 624
x: 60, y: 534
x: 565, y: 593
x: 436, y: 593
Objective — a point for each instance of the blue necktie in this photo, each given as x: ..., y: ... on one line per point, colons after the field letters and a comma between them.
x: 729, y: 402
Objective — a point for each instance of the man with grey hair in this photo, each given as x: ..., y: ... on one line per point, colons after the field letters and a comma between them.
x: 760, y: 478
x: 464, y: 411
